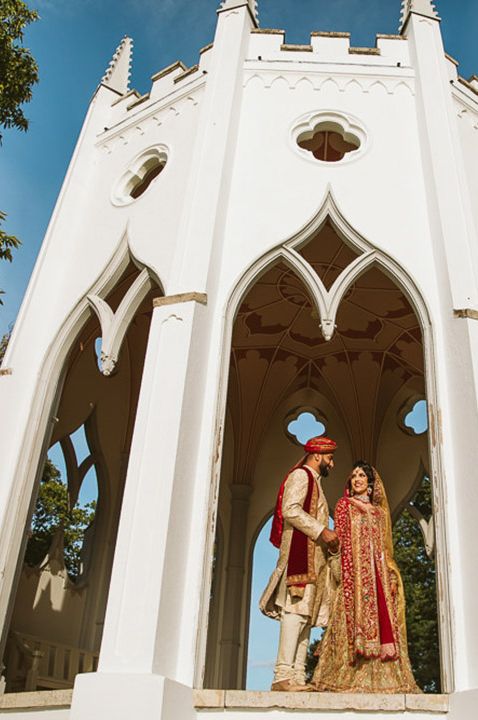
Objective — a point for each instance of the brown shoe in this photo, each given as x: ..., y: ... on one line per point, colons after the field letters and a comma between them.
x: 289, y: 686
x: 280, y: 686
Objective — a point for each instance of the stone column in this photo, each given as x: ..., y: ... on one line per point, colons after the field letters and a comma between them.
x: 233, y: 599
x: 455, y: 247
x: 137, y: 665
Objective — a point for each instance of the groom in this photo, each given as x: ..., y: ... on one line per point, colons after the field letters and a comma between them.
x: 297, y: 592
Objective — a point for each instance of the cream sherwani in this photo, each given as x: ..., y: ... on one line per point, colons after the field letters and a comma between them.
x: 297, y: 615
x: 276, y: 596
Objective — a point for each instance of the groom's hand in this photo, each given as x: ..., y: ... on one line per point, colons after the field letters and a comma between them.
x: 330, y: 538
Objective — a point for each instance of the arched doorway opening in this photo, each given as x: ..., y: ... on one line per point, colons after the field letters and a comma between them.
x: 58, y: 609
x: 328, y: 327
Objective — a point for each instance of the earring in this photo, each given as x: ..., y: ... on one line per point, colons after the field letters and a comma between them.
x: 369, y: 490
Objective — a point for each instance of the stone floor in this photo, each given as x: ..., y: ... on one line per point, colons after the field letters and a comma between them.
x: 220, y: 699
x: 248, y: 700
x: 46, y: 699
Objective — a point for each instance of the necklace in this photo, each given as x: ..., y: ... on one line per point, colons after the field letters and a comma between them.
x: 363, y: 498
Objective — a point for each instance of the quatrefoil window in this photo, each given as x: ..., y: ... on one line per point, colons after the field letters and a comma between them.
x: 329, y: 137
x: 139, y: 176
x: 328, y: 142
x: 304, y: 423
x: 413, y: 418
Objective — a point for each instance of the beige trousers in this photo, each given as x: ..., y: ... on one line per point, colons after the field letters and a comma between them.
x: 293, y: 644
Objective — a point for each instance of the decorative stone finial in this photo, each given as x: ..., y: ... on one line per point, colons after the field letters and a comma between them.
x: 253, y: 6
x: 118, y: 72
x: 422, y: 7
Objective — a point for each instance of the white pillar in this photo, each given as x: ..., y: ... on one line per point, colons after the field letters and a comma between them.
x: 139, y: 646
x: 448, y: 196
x: 456, y: 263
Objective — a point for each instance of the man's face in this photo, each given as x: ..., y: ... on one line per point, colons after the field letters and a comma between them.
x: 326, y: 464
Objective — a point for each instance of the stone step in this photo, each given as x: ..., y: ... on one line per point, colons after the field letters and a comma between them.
x: 246, y: 699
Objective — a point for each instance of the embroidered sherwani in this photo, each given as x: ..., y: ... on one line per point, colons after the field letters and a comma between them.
x: 278, y: 596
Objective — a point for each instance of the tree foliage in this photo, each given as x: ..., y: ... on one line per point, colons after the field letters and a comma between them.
x: 18, y: 74
x: 419, y: 580
x: 4, y: 343
x: 7, y: 243
x: 52, y: 513
x: 18, y: 69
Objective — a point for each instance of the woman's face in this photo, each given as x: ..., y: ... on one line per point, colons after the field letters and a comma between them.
x: 359, y: 481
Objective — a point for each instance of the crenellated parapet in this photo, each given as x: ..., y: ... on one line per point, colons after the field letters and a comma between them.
x: 171, y: 87
x: 327, y: 47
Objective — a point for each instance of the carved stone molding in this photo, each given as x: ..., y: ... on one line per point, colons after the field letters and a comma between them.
x: 388, y: 84
x: 115, y: 325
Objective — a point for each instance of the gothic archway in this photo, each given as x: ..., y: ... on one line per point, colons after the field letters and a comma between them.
x: 59, y: 603
x: 327, y: 321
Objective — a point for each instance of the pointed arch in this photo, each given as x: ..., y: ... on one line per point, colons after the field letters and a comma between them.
x: 403, y: 88
x: 304, y: 83
x: 327, y: 304
x: 114, y: 325
x: 379, y: 87
x: 354, y: 85
x: 330, y: 84
x: 42, y: 420
x: 280, y: 81
x: 254, y: 81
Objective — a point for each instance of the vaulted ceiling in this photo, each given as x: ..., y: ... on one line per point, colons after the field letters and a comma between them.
x: 278, y: 348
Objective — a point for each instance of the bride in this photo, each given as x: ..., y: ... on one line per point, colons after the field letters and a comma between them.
x: 365, y: 646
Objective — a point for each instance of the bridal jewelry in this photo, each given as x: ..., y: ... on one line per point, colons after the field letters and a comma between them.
x: 364, y: 498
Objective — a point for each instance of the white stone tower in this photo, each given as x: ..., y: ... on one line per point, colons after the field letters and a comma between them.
x: 276, y: 229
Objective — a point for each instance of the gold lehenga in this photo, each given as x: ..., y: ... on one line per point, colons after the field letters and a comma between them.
x: 365, y: 646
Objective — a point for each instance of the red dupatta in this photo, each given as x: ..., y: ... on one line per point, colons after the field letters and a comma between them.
x: 369, y: 610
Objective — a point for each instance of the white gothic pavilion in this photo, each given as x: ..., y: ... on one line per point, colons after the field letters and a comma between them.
x: 277, y: 229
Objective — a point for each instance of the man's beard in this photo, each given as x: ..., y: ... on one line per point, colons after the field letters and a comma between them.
x: 324, y: 469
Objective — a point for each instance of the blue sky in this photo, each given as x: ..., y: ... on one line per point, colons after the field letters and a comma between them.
x: 73, y: 43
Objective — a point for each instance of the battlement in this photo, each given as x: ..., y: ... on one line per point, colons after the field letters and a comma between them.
x: 165, y: 82
x: 325, y: 47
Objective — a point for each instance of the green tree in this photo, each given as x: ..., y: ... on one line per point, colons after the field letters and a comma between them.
x: 4, y: 343
x: 419, y: 580
x: 52, y: 513
x: 7, y: 243
x: 18, y: 74
x: 18, y: 69
x: 312, y: 659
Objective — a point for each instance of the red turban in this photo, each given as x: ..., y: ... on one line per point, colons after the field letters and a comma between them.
x: 321, y: 445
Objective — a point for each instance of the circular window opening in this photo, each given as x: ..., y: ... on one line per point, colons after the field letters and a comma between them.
x: 328, y: 142
x: 139, y: 176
